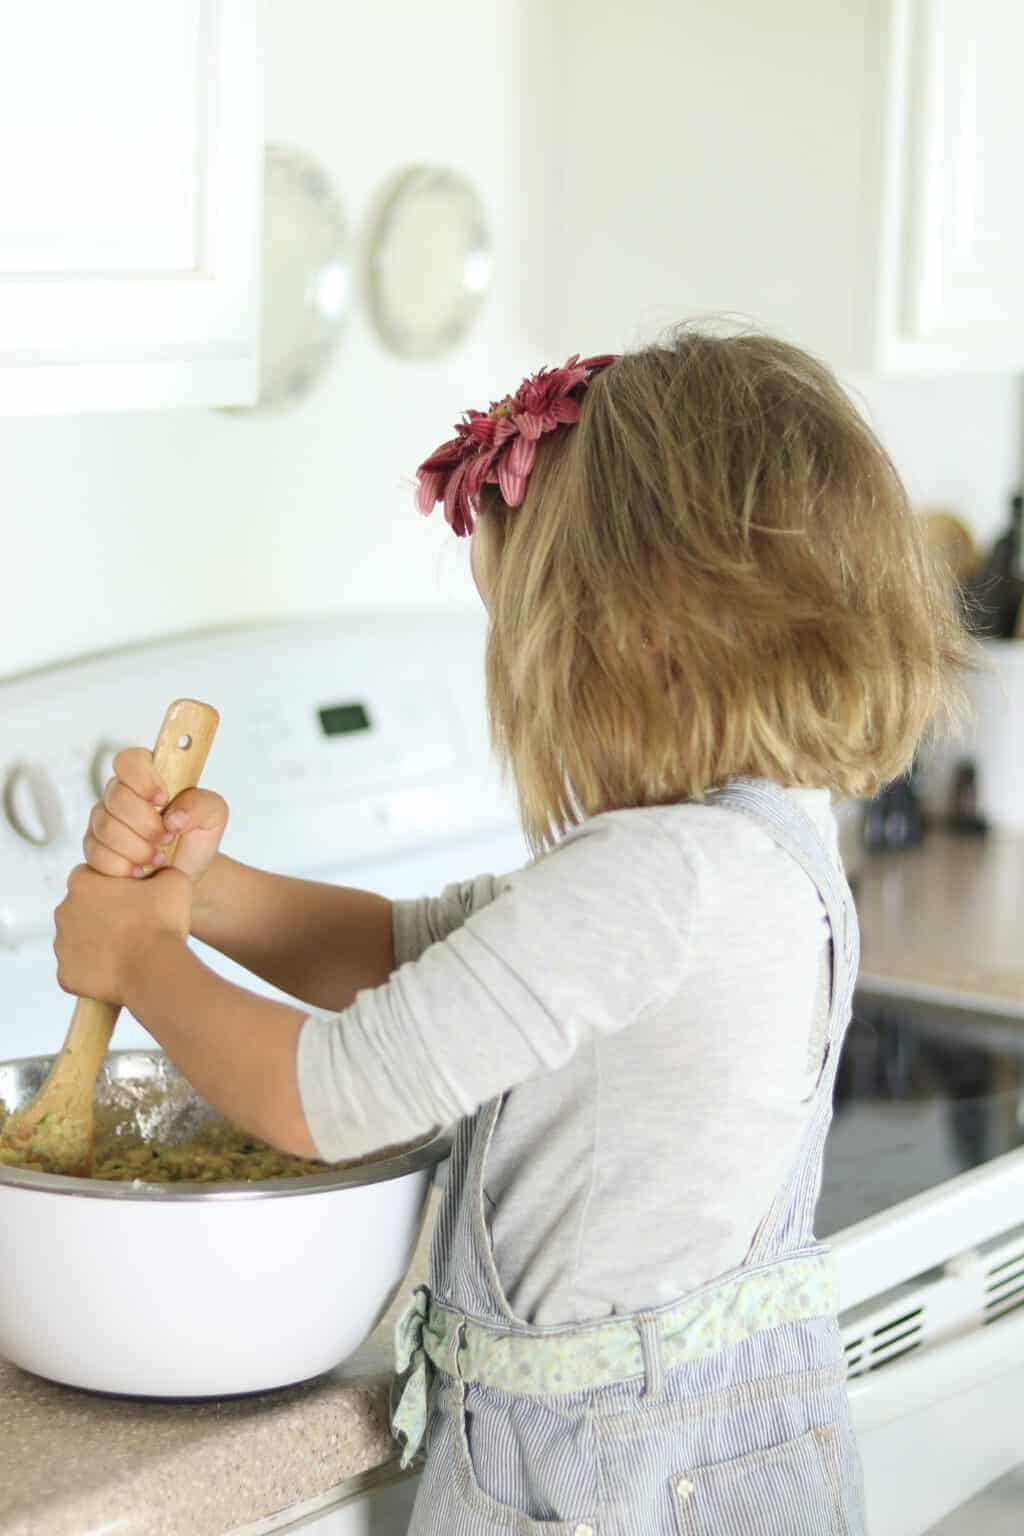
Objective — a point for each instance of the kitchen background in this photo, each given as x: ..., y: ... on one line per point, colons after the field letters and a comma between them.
x: 843, y: 172
x: 118, y: 527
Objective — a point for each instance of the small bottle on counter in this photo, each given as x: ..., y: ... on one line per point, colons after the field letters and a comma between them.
x: 893, y: 819
x: 964, y: 816
x: 995, y: 595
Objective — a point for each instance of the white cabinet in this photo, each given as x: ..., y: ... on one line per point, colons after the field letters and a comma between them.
x: 129, y: 220
x: 844, y: 172
x: 957, y: 132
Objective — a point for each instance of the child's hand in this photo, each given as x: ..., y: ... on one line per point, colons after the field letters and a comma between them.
x: 106, y: 930
x: 132, y: 824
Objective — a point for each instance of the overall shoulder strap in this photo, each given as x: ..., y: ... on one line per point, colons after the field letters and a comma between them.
x: 767, y: 804
x: 788, y: 1224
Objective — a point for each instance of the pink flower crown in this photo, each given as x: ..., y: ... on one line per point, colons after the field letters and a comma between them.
x: 499, y: 446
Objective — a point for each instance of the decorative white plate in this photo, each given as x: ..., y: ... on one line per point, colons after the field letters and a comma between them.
x: 306, y: 278
x: 429, y: 261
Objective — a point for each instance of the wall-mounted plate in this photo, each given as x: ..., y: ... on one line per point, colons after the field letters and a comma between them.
x: 429, y: 261
x: 306, y: 281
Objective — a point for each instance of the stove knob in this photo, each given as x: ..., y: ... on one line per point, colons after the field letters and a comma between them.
x: 32, y: 805
x: 101, y: 770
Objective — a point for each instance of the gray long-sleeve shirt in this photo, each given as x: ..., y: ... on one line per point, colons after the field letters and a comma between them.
x: 653, y: 991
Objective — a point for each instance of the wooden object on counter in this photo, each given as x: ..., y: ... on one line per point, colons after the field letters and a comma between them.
x: 948, y: 537
x: 55, y: 1130
x: 945, y: 922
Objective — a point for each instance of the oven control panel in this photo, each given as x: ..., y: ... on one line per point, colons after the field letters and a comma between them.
x: 340, y: 741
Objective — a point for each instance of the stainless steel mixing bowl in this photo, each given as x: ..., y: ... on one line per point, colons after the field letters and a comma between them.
x: 196, y: 1289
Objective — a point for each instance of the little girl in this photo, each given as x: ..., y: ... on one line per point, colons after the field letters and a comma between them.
x: 709, y: 611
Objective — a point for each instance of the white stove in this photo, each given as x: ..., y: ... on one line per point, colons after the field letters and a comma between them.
x: 923, y: 1203
x: 354, y: 750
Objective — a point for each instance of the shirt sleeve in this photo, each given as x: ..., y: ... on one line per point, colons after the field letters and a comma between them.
x: 418, y: 924
x: 576, y: 945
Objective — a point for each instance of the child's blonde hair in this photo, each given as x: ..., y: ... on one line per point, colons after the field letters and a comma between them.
x: 714, y: 572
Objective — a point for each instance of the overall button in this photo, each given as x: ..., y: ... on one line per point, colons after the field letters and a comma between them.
x: 684, y: 1487
x: 583, y: 1530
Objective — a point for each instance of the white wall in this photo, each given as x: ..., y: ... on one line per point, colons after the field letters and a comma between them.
x: 957, y: 441
x: 118, y: 528
x: 716, y: 156
x: 725, y: 158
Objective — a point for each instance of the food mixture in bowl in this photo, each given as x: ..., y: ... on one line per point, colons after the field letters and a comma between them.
x: 215, y: 1152
x: 151, y: 1126
x: 51, y: 1144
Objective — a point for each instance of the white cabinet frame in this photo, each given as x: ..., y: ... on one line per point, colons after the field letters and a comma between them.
x: 175, y: 332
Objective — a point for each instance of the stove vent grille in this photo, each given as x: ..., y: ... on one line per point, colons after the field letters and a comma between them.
x: 970, y: 1290
x: 890, y: 1339
x: 1004, y: 1283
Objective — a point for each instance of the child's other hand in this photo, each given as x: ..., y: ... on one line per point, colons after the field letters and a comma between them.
x: 132, y: 825
x: 106, y: 930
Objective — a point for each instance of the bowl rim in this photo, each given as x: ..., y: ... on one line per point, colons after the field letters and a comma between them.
x: 424, y: 1154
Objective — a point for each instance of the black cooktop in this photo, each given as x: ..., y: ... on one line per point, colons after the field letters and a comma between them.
x: 922, y: 1094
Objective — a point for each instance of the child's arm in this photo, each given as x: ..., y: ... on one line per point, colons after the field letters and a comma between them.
x: 320, y: 943
x: 236, y: 1049
x: 125, y: 942
x: 316, y: 942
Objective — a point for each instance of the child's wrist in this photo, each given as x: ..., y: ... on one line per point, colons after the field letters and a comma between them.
x: 203, y: 894
x: 149, y: 970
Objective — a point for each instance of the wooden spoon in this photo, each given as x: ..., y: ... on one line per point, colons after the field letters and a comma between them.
x: 54, y: 1131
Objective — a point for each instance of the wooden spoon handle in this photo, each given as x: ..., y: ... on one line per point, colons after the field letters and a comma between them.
x: 179, y: 757
x: 55, y: 1130
x: 181, y: 750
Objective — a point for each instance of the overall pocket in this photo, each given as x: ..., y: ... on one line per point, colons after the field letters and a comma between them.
x: 791, y: 1489
x: 494, y: 1442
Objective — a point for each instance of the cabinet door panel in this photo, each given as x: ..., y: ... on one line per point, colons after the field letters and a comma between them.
x: 966, y: 276
x: 129, y: 225
x: 90, y: 189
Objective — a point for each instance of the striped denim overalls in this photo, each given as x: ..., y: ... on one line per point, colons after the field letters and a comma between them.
x: 721, y: 1414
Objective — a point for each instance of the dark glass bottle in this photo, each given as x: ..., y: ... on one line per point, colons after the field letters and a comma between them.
x: 995, y: 595
x: 964, y: 815
x: 893, y: 819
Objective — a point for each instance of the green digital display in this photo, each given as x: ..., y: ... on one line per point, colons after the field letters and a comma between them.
x: 343, y: 719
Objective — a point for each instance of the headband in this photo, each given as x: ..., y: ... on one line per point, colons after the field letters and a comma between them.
x: 499, y: 446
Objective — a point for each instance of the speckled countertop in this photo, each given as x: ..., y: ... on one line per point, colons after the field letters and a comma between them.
x: 945, y: 921
x: 78, y: 1464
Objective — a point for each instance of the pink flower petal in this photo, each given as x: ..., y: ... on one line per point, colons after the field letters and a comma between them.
x: 463, y: 522
x: 446, y: 456
x: 499, y: 446
x: 521, y: 456
x: 514, y: 470
x: 481, y: 429
x: 479, y: 471
x: 453, y: 493
x: 530, y: 424
x: 513, y: 487
x: 431, y: 490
